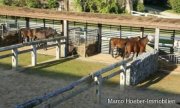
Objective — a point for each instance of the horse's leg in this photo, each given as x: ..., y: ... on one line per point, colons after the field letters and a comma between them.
x: 112, y: 54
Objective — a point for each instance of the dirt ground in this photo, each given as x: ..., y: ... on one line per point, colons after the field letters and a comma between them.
x: 17, y: 87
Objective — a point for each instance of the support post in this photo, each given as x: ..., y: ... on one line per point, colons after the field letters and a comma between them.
x: 65, y: 32
x: 120, y: 30
x: 173, y: 38
x: 85, y: 34
x: 99, y: 37
x: 33, y: 55
x: 27, y: 22
x: 58, y: 50
x: 98, y: 80
x: 44, y: 23
x: 15, y: 58
x: 156, y: 44
x: 123, y: 77
x: 142, y: 32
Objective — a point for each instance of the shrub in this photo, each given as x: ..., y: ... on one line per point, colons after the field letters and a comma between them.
x: 7, y: 2
x: 175, y: 5
x: 140, y: 7
x: 99, y: 6
x: 32, y: 3
x: 137, y: 6
x: 52, y: 3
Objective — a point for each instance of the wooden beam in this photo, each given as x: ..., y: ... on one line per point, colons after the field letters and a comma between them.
x: 156, y: 43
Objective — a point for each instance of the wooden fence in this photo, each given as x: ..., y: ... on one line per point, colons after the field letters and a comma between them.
x: 33, y: 50
x: 127, y: 77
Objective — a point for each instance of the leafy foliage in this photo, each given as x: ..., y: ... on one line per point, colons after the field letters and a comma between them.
x: 137, y: 6
x: 52, y: 3
x: 98, y: 6
x: 175, y: 5
x: 33, y: 3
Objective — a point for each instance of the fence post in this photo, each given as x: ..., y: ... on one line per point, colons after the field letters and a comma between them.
x: 58, y: 50
x: 127, y: 73
x: 98, y: 80
x: 156, y: 46
x: 142, y: 31
x: 15, y: 58
x: 123, y: 77
x: 33, y: 55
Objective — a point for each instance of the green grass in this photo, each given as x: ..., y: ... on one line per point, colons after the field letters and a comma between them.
x: 72, y: 68
x: 171, y: 11
x: 24, y: 59
x: 65, y: 68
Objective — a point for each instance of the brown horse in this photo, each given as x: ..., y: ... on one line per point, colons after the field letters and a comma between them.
x: 135, y: 46
x: 44, y: 33
x: 116, y: 43
x: 119, y: 44
x: 27, y: 33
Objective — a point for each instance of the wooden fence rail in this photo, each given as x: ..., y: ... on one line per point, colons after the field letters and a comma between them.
x: 33, y: 50
x: 95, y: 78
x: 127, y: 72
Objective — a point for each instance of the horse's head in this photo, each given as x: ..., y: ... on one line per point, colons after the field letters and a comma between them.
x: 144, y: 40
x: 150, y: 38
x: 51, y: 31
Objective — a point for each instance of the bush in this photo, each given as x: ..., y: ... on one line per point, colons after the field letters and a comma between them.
x: 140, y: 7
x: 137, y: 6
x: 52, y: 3
x: 32, y: 3
x: 175, y: 5
x: 7, y: 2
x: 99, y: 6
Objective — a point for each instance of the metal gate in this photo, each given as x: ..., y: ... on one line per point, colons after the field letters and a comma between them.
x: 85, y: 40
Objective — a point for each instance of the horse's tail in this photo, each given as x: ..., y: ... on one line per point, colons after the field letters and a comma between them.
x: 20, y: 35
x: 110, y: 46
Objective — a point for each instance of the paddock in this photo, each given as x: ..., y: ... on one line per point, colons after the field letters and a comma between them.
x: 130, y: 71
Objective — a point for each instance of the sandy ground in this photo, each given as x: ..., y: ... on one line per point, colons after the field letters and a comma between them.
x: 16, y: 87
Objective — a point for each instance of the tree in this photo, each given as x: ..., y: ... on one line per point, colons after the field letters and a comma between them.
x: 129, y: 6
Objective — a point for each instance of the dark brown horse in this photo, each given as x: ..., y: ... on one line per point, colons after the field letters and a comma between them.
x: 135, y: 46
x: 44, y: 33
